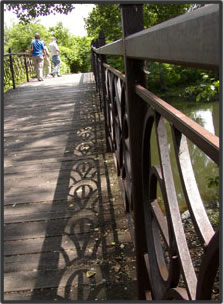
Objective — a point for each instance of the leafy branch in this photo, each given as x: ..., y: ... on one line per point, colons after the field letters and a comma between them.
x: 26, y: 12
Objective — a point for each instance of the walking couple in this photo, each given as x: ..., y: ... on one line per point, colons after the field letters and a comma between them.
x: 41, y: 57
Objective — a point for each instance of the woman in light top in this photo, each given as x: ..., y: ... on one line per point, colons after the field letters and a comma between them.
x: 47, y: 63
x: 54, y: 50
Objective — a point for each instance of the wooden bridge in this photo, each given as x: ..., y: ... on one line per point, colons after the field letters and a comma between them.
x: 66, y: 235
x: 76, y: 230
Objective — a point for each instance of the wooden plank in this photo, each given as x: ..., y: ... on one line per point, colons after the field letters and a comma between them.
x: 10, y: 163
x: 28, y: 168
x: 53, y: 126
x: 49, y: 143
x: 45, y: 197
x: 55, y: 260
x: 15, y: 281
x: 24, y: 170
x: 42, y: 223
x: 47, y: 182
x: 117, y: 290
x: 23, y: 192
x: 49, y: 195
x: 57, y: 243
x: 72, y: 226
x: 42, y: 211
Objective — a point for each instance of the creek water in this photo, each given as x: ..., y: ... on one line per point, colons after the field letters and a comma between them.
x: 204, y: 168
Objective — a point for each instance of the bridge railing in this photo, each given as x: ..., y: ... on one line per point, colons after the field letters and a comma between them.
x: 165, y: 266
x: 18, y: 67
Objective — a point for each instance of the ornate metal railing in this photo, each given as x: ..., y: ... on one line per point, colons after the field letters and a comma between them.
x: 18, y: 68
x: 165, y: 266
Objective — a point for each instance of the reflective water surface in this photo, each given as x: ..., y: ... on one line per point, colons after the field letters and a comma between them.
x: 206, y: 115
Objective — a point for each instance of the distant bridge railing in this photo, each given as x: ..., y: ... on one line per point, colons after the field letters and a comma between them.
x: 165, y: 267
x: 18, y: 67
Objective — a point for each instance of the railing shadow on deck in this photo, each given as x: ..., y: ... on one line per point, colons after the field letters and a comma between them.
x: 84, y: 231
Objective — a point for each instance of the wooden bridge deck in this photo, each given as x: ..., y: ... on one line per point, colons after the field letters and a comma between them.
x: 66, y: 235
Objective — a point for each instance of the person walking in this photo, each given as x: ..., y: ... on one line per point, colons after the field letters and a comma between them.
x: 47, y: 63
x: 54, y: 50
x: 36, y: 52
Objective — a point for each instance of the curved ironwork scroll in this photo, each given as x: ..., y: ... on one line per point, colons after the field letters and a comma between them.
x: 18, y: 67
x: 168, y: 257
x: 117, y: 124
x: 168, y: 227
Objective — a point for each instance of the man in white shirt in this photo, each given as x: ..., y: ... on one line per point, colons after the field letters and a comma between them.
x: 54, y: 50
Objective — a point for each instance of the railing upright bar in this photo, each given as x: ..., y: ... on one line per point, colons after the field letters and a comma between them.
x: 96, y: 66
x: 102, y: 87
x: 132, y: 22
x: 93, y: 57
x: 26, y: 67
x: 11, y: 68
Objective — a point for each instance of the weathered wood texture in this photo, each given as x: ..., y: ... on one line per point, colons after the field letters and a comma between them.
x: 191, y: 39
x: 63, y: 213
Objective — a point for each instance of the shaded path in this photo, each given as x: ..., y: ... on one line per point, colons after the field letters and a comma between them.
x: 66, y: 234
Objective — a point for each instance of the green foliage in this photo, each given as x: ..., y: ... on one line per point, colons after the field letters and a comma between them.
x: 116, y: 62
x: 82, y: 46
x: 64, y: 67
x: 206, y: 88
x: 21, y: 42
x: 189, y: 83
x: 77, y: 57
x: 75, y: 51
x: 26, y: 12
x: 196, y: 84
x: 61, y: 34
x: 170, y: 75
x: 6, y: 38
x: 213, y: 181
x: 157, y: 13
x: 106, y: 17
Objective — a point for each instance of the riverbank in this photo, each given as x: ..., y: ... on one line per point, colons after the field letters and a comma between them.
x: 195, y: 247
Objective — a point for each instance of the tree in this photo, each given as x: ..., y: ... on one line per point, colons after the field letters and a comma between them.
x: 157, y: 13
x: 61, y: 34
x: 106, y: 17
x: 6, y: 38
x: 77, y: 57
x: 162, y: 76
x: 20, y: 43
x: 26, y: 12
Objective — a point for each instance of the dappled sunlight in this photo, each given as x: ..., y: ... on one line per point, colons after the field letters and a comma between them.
x: 63, y: 212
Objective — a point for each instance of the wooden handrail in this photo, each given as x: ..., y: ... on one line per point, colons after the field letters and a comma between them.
x: 191, y: 39
x: 18, y: 53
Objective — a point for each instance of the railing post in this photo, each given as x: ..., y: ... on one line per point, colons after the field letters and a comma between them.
x: 102, y: 59
x: 101, y: 40
x: 26, y: 67
x: 93, y: 58
x: 11, y: 68
x: 97, y: 66
x: 132, y: 22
